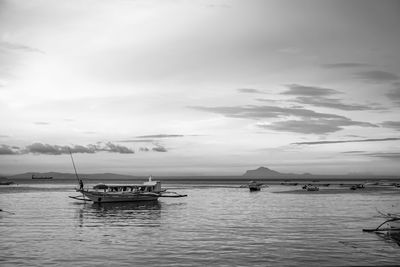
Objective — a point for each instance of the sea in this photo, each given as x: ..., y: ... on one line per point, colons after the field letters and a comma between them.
x: 218, y: 224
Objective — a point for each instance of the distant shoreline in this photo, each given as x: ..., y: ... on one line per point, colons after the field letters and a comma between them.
x: 291, y: 178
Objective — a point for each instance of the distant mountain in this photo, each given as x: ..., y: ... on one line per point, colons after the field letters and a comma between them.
x: 262, y: 172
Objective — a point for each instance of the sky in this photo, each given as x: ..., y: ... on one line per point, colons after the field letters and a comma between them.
x: 200, y: 87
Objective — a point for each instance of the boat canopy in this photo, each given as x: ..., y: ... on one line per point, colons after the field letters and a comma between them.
x: 104, y: 186
x: 147, y: 186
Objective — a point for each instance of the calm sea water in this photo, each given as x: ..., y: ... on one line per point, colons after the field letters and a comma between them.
x: 215, y: 226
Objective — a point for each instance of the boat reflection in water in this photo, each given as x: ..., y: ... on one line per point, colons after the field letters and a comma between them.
x: 146, y: 214
x: 124, y: 207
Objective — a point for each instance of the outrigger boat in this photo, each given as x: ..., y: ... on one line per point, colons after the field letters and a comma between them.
x: 102, y: 193
x: 148, y: 191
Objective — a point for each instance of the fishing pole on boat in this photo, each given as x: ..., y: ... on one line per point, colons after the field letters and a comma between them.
x: 80, y: 183
x: 73, y: 164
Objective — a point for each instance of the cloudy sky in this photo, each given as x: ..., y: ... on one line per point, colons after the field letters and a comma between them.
x: 186, y: 87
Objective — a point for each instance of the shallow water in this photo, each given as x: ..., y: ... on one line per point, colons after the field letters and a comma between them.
x: 217, y: 226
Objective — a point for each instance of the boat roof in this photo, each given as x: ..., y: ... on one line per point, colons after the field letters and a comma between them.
x: 130, y: 185
x: 150, y: 182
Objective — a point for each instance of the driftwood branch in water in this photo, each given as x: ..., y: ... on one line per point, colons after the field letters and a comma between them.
x: 377, y: 228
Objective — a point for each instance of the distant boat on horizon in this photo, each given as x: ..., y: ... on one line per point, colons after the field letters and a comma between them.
x: 311, y: 187
x: 254, y: 186
x: 5, y: 181
x: 41, y: 177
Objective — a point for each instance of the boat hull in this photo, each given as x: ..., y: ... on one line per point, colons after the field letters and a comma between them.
x: 106, y: 197
x: 254, y: 188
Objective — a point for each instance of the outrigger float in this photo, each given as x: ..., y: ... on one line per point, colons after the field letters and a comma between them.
x: 102, y: 193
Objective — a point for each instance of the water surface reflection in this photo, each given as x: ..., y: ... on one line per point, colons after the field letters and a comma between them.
x: 145, y: 214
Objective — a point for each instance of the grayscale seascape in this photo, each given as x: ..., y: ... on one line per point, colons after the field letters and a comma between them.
x: 199, y: 133
x: 216, y: 225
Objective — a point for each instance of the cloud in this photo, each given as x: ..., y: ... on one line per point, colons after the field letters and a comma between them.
x: 250, y: 91
x: 19, y: 47
x: 264, y: 112
x: 110, y: 147
x: 266, y: 100
x: 137, y: 141
x: 8, y: 150
x: 347, y: 141
x: 82, y: 149
x: 317, y: 96
x: 161, y: 136
x: 314, y: 126
x: 311, y: 122
x: 301, y: 90
x: 159, y: 148
x: 386, y: 155
x: 333, y: 103
x: 344, y: 65
x: 47, y: 149
x: 377, y: 76
x: 391, y: 124
x: 39, y: 148
x: 303, y: 126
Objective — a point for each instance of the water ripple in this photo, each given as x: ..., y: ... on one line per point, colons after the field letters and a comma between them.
x: 213, y: 226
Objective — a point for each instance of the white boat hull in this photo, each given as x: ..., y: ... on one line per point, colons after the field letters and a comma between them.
x: 107, y: 197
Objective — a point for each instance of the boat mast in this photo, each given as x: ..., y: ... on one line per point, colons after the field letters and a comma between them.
x: 73, y: 163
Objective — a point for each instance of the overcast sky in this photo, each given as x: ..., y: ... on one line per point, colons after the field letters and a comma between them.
x: 200, y: 87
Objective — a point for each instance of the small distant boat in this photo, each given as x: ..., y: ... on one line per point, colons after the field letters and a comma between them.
x: 311, y: 187
x: 148, y: 191
x: 254, y: 186
x: 5, y: 181
x: 357, y: 186
x: 41, y: 177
